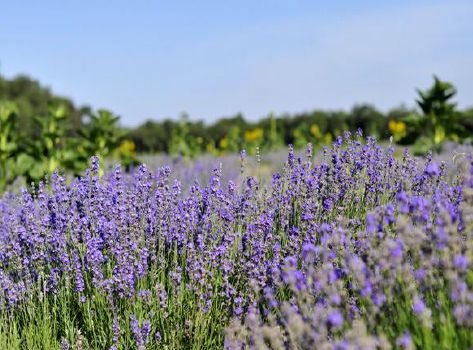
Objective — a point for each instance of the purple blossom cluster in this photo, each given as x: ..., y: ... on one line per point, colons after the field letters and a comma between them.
x: 358, y: 250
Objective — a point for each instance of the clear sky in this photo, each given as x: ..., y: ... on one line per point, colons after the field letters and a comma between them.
x: 156, y: 59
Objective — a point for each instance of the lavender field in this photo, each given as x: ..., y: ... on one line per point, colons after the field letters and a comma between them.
x: 355, y: 247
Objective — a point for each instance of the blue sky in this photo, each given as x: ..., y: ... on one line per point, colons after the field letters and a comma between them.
x: 156, y: 59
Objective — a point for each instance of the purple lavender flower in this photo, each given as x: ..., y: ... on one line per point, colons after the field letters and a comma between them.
x: 145, y: 330
x: 418, y: 306
x: 137, y: 332
x: 327, y: 204
x: 463, y: 314
x: 460, y: 262
x: 313, y: 258
x: 405, y: 341
x: 65, y: 344
x: 432, y: 169
x: 157, y: 336
x: 335, y: 319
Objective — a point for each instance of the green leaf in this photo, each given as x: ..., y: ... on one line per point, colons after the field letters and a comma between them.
x: 37, y: 171
x: 24, y: 163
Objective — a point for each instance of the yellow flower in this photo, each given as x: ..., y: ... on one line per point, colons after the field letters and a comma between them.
x: 223, y: 143
x: 397, y: 127
x: 401, y: 127
x: 315, y: 130
x: 254, y: 135
x: 328, y: 138
x: 127, y: 147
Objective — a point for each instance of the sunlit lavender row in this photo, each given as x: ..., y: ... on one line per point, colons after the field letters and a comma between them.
x: 355, y: 248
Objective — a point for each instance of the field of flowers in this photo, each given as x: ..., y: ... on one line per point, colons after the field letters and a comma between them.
x: 354, y: 248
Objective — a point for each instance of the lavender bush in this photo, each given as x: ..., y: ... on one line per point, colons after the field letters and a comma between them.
x: 357, y: 250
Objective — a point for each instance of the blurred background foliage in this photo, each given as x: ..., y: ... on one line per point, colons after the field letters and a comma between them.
x: 40, y: 131
x: 435, y: 121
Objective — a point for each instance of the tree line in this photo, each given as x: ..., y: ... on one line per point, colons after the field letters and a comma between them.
x: 435, y: 120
